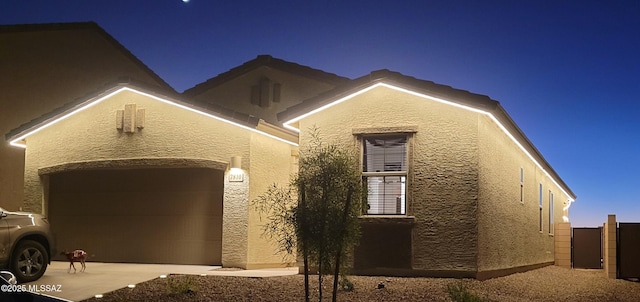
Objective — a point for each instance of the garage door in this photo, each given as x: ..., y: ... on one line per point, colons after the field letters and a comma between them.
x: 141, y: 215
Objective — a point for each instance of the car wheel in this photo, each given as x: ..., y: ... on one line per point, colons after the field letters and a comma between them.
x: 29, y: 261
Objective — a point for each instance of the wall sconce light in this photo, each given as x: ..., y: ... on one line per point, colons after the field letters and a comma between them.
x: 236, y: 163
x: 236, y: 174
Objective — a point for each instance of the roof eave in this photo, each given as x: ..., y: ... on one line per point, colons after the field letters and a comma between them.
x: 500, y: 113
x: 481, y: 102
x: 67, y: 110
x: 477, y: 102
x: 266, y: 61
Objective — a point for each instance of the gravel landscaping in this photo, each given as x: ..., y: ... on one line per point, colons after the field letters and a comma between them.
x: 551, y: 283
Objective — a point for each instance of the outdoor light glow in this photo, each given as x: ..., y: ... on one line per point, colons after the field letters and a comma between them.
x: 565, y: 218
x: 98, y: 296
x: 288, y: 123
x: 203, y: 275
x: 17, y: 141
x: 235, y: 171
x: 568, y: 205
x: 236, y: 163
x: 163, y: 276
x: 131, y: 286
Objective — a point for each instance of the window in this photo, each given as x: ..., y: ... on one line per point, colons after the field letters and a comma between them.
x: 550, y: 212
x: 540, y: 205
x: 384, y: 170
x: 522, y: 185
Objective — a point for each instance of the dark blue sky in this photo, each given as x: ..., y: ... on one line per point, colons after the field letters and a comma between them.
x: 568, y: 72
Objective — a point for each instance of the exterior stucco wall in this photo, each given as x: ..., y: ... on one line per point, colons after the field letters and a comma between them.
x: 169, y: 132
x: 91, y: 135
x: 270, y: 163
x: 235, y: 222
x: 45, y: 69
x: 443, y: 169
x: 508, y: 229
x: 236, y: 94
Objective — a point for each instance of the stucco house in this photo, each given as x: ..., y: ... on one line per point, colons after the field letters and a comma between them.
x: 455, y: 187
x: 46, y: 66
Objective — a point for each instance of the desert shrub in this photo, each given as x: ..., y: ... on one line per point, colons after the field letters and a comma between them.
x: 346, y: 284
x: 181, y: 284
x: 458, y: 292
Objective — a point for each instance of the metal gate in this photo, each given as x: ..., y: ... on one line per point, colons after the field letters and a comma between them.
x: 628, y: 247
x: 586, y: 251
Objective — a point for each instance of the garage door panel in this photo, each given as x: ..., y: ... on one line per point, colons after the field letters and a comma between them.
x: 173, y: 252
x: 141, y: 180
x: 167, y: 215
x: 140, y: 203
x: 146, y: 204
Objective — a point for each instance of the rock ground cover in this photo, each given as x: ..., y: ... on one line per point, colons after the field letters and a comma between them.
x: 546, y: 284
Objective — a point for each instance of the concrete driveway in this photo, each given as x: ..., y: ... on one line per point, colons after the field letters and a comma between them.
x: 100, y: 278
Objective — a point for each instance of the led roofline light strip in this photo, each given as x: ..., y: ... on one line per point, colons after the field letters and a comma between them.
x: 16, y: 141
x: 213, y: 116
x: 288, y: 123
x: 495, y: 120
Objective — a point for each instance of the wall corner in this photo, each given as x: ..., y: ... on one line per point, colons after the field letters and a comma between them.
x: 235, y: 220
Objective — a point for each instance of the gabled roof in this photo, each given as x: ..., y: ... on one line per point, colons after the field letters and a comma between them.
x: 428, y: 90
x: 271, y: 62
x: 238, y: 119
x: 91, y: 26
x: 386, y: 76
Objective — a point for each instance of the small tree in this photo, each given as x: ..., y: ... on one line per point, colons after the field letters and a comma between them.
x: 323, y: 220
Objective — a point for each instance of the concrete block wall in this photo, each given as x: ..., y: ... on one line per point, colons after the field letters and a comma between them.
x: 610, y: 241
x: 563, y: 244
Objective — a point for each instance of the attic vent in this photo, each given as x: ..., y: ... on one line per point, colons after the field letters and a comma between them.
x: 130, y: 118
x: 265, y: 92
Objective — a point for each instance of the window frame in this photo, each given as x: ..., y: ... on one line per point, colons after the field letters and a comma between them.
x: 362, y: 138
x: 540, y: 205
x: 551, y: 220
x: 521, y: 185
